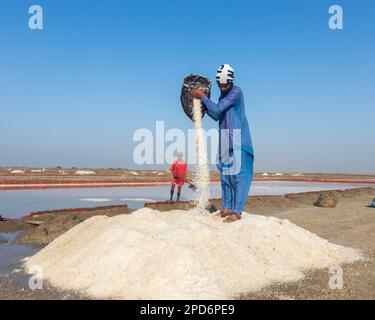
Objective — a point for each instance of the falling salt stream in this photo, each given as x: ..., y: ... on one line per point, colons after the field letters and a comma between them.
x: 202, y: 174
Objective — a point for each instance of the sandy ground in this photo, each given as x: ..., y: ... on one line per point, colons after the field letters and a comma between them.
x: 351, y: 224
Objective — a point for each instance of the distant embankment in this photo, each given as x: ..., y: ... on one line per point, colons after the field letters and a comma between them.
x: 27, y: 184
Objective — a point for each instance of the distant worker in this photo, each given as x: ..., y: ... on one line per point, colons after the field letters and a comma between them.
x: 178, y: 169
x: 233, y: 125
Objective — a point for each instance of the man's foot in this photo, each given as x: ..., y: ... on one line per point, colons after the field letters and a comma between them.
x: 224, y: 213
x: 233, y: 218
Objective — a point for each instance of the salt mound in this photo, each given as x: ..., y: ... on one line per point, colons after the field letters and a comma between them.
x: 182, y: 255
x: 17, y: 172
x: 84, y: 172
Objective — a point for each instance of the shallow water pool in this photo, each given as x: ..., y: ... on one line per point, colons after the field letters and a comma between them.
x: 17, y: 203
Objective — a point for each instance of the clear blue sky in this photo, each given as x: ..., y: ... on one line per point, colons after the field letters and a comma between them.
x: 74, y: 93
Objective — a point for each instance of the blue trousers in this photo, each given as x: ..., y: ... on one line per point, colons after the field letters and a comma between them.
x: 235, y: 188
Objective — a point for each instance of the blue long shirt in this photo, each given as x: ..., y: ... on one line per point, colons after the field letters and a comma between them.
x: 230, y: 112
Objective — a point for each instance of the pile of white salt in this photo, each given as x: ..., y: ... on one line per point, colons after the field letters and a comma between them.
x: 182, y: 255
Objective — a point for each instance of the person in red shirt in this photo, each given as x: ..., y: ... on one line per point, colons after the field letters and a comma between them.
x: 178, y: 169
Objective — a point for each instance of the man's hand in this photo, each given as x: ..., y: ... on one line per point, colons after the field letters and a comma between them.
x: 197, y: 93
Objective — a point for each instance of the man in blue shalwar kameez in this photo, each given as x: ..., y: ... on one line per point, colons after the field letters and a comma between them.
x: 236, y: 154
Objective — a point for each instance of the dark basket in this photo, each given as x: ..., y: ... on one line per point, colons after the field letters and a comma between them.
x: 190, y: 82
